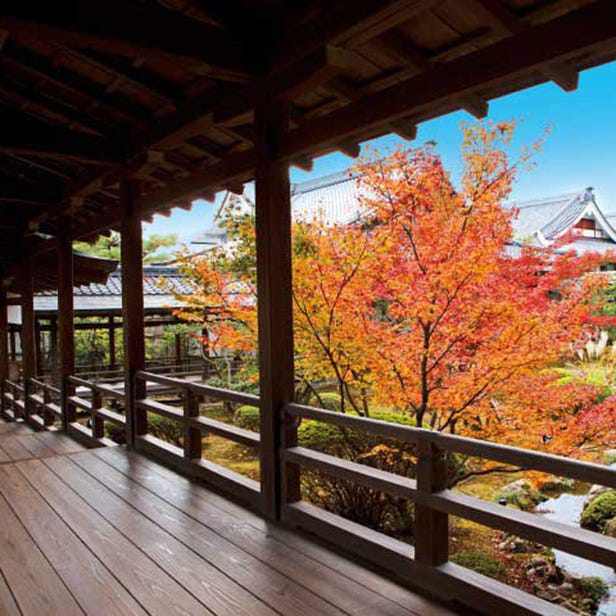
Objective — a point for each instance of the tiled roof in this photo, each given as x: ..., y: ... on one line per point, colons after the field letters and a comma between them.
x: 335, y: 197
x: 552, y: 216
x: 157, y: 281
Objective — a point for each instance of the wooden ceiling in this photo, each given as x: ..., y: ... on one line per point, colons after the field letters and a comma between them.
x: 163, y: 90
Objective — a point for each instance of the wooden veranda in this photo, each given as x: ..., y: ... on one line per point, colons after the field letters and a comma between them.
x: 114, y: 111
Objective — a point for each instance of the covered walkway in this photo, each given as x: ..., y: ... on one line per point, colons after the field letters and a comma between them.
x: 109, y: 532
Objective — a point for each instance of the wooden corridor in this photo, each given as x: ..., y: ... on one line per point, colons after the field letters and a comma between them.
x: 106, y: 531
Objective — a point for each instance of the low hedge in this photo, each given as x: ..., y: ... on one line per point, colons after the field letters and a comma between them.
x: 248, y: 417
x: 166, y: 429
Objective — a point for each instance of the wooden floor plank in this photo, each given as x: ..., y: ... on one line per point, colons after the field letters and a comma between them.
x: 4, y: 457
x: 60, y: 442
x: 92, y: 585
x: 8, y: 607
x: 288, y: 596
x: 33, y: 582
x: 14, y: 449
x: 36, y: 447
x: 155, y: 590
x: 219, y: 592
x: 194, y: 500
x: 14, y: 427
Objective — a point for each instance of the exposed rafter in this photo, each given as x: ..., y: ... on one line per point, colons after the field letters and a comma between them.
x: 531, y: 50
x: 161, y: 34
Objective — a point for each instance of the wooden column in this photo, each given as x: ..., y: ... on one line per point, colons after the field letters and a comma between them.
x: 66, y: 318
x: 28, y: 340
x: 53, y: 350
x: 112, y: 345
x: 275, y: 307
x: 431, y: 528
x: 132, y: 309
x: 4, y: 345
x: 39, y: 347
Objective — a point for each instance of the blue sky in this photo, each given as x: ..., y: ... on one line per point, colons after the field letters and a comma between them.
x: 580, y: 150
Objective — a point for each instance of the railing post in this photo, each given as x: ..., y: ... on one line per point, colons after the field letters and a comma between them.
x: 279, y: 484
x: 4, y: 347
x: 66, y: 333
x: 431, y: 528
x: 28, y: 351
x: 48, y: 416
x: 192, y: 436
x: 132, y: 309
x: 98, y: 425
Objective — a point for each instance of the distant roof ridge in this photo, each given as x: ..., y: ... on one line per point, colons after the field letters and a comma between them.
x: 324, y: 181
x: 568, y: 197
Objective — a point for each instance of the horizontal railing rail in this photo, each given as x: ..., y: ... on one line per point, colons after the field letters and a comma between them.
x: 434, y: 501
x: 45, y: 403
x: 194, y: 426
x: 88, y: 398
x: 13, y: 401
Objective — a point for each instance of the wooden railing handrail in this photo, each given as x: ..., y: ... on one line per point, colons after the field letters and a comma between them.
x: 515, y: 456
x: 200, y: 388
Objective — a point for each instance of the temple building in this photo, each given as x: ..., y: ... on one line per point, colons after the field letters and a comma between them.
x: 540, y: 222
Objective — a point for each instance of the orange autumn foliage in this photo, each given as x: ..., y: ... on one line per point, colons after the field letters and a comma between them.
x: 420, y: 309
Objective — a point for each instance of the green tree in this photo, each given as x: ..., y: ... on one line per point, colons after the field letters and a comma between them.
x: 109, y: 247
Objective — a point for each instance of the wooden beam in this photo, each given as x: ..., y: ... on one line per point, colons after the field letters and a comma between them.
x: 132, y: 309
x: 66, y: 334
x: 591, y: 27
x: 287, y: 84
x: 346, y: 24
x: 275, y: 307
x: 35, y: 138
x: 560, y: 73
x: 148, y: 32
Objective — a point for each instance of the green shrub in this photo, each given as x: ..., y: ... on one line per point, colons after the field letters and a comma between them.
x: 593, y: 587
x: 601, y: 509
x: 248, y: 417
x: 327, y: 400
x: 479, y: 562
x: 166, y: 429
x: 321, y: 437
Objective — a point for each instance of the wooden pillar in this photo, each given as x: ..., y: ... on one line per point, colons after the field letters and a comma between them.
x: 28, y: 340
x: 112, y: 344
x: 4, y: 345
x: 13, y: 345
x: 39, y: 347
x: 275, y: 307
x: 53, y: 350
x: 431, y: 528
x: 132, y: 309
x: 66, y: 318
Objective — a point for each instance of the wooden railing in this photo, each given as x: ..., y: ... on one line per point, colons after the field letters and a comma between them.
x: 44, y: 403
x: 13, y: 402
x: 89, y: 397
x: 194, y: 427
x: 428, y: 559
x: 189, y: 366
x: 425, y: 563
